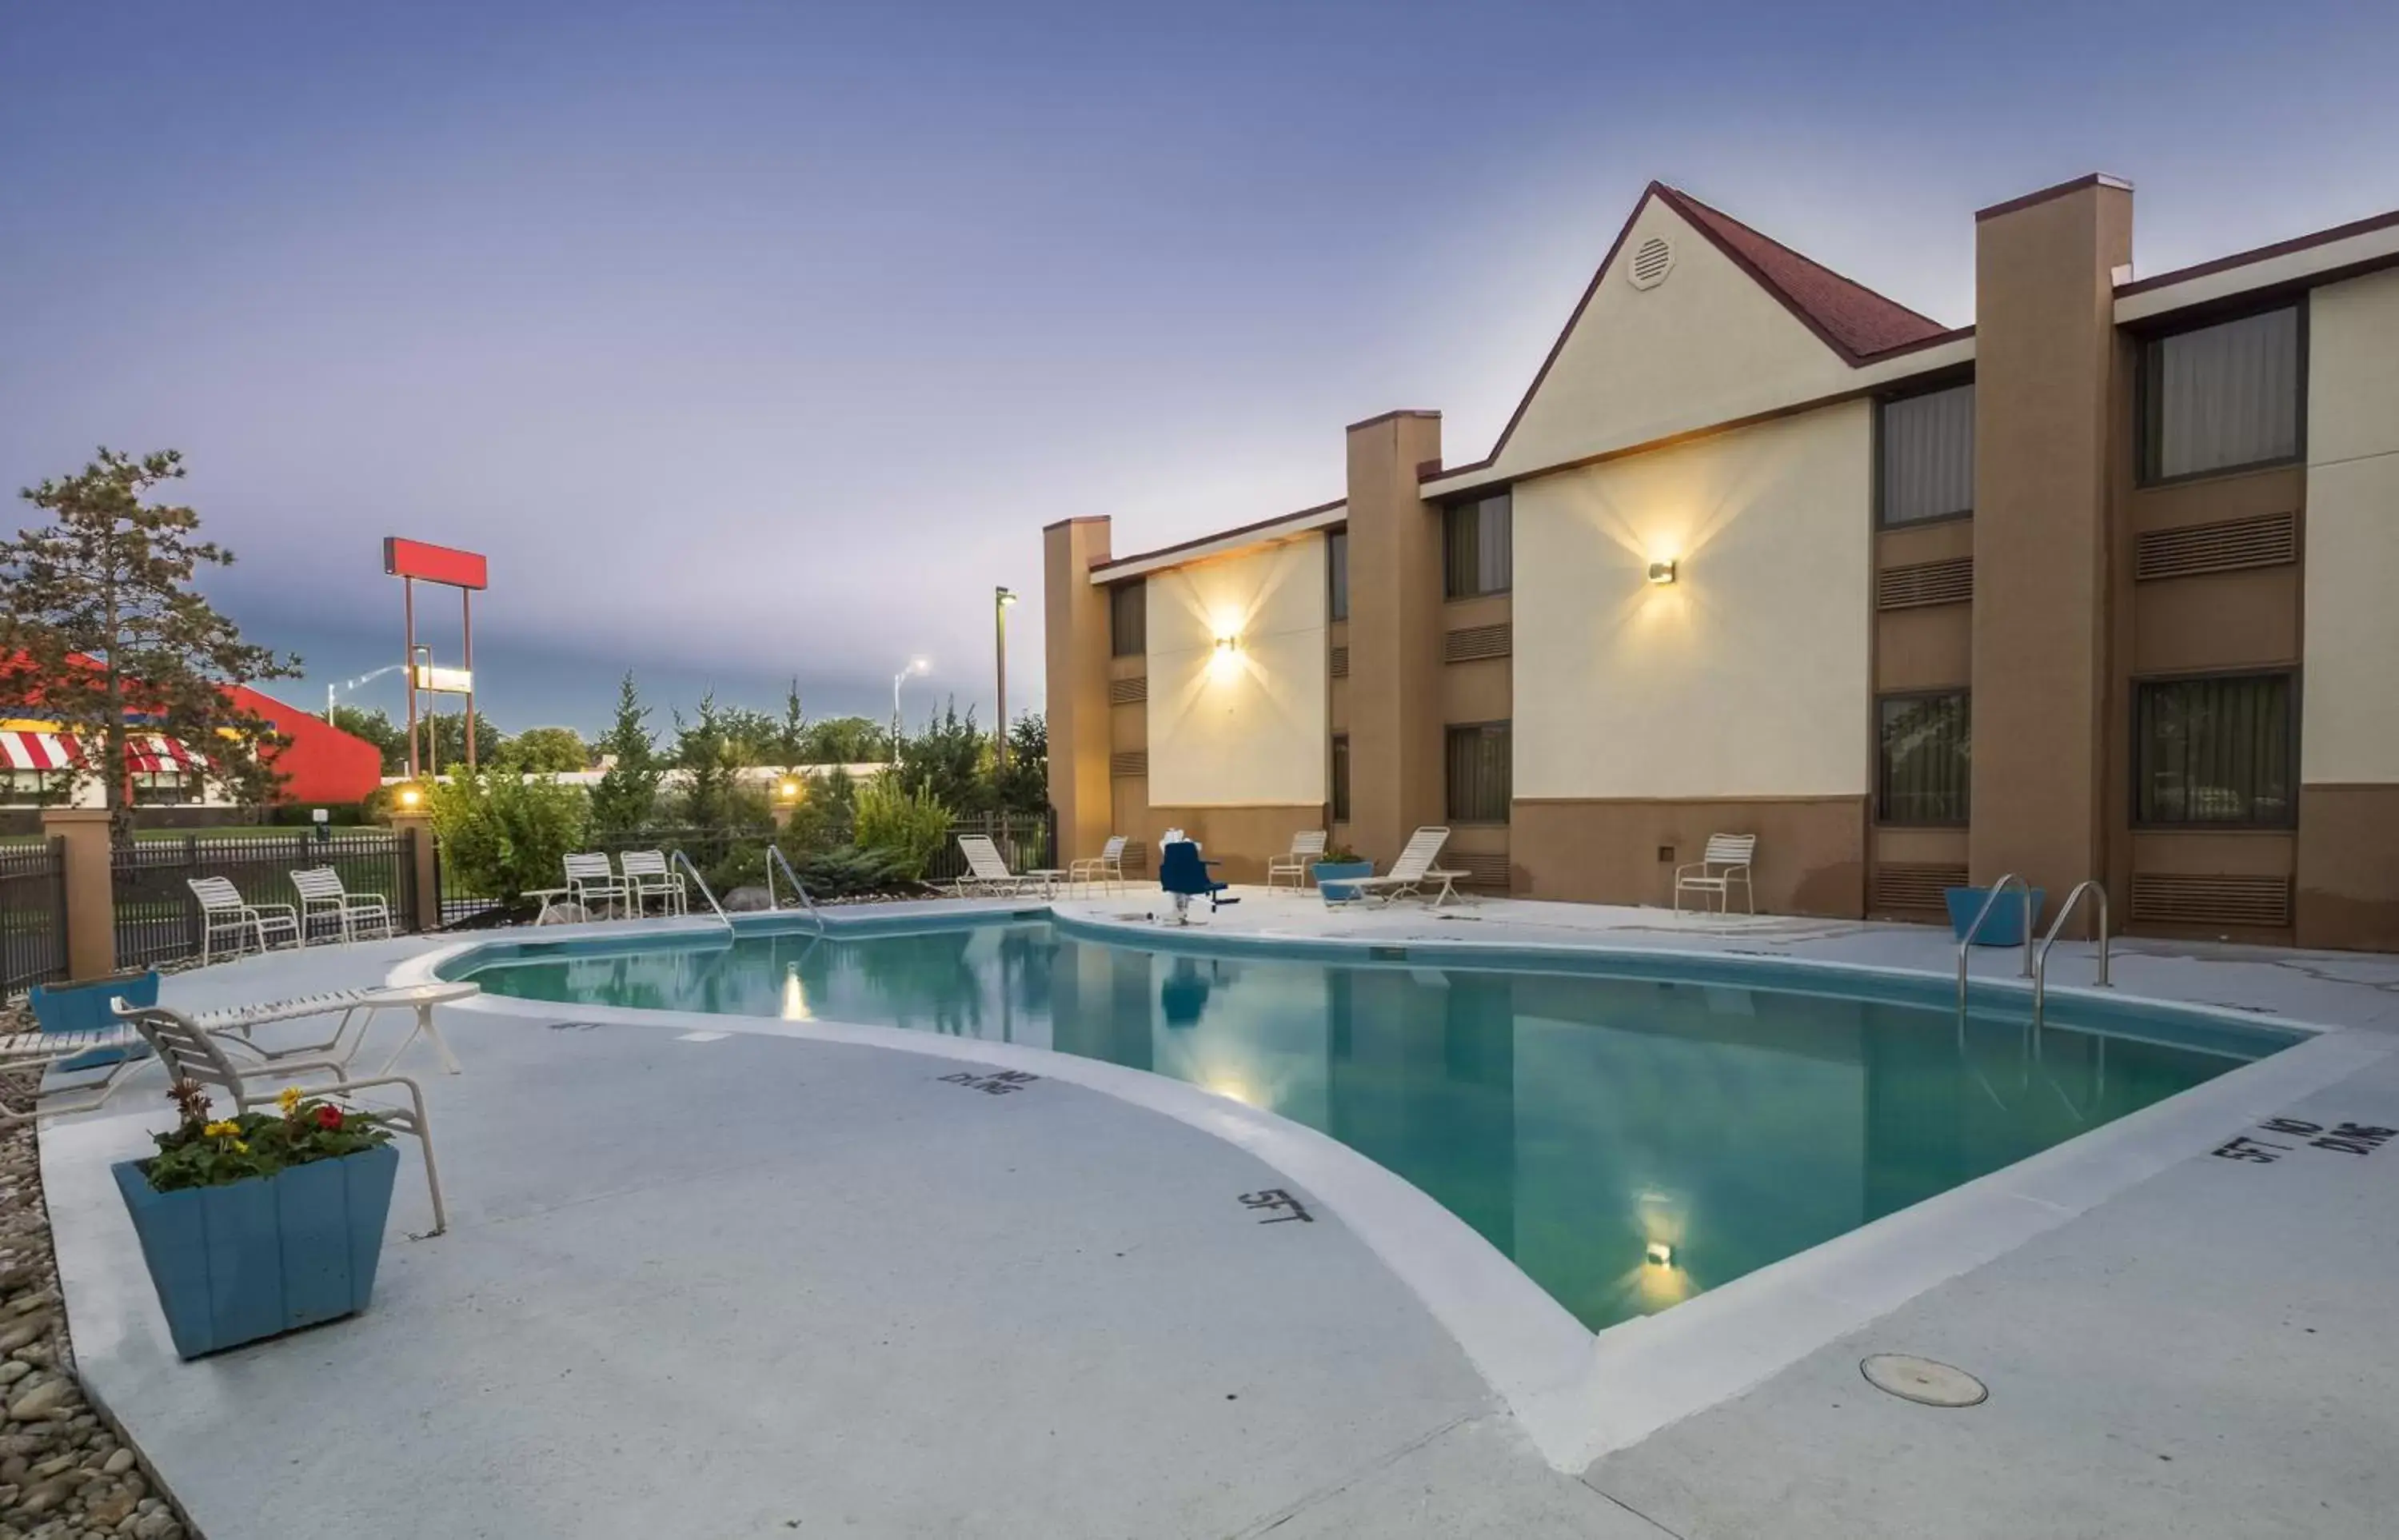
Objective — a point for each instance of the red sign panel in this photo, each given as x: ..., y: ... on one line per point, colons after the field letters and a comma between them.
x: 433, y: 564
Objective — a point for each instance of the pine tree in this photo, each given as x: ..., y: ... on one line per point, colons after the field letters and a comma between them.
x: 627, y: 792
x: 99, y: 623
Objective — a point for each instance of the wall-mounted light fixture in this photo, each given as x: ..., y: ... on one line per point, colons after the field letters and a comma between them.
x: 410, y: 796
x: 1662, y: 572
x: 1658, y: 1254
x: 788, y: 789
x: 1225, y: 660
x: 1228, y: 645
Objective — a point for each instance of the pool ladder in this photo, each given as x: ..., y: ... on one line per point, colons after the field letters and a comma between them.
x: 774, y: 858
x: 684, y: 861
x: 2036, y: 960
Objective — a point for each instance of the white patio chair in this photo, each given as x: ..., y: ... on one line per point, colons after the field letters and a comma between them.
x: 986, y: 872
x: 1732, y: 853
x: 322, y: 896
x: 1306, y: 849
x: 1412, y: 871
x: 1107, y: 867
x: 191, y: 1053
x: 224, y: 912
x: 647, y: 875
x: 590, y: 881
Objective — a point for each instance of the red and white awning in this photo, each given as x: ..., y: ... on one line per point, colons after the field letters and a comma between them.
x: 27, y: 750
x: 145, y: 754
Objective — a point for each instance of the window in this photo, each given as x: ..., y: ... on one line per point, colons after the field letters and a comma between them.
x: 1478, y: 556
x: 2221, y: 397
x: 1479, y: 773
x: 2215, y: 751
x: 1921, y: 774
x: 25, y: 787
x: 164, y: 790
x: 1128, y: 619
x: 1928, y: 456
x: 1340, y: 777
x: 1337, y: 575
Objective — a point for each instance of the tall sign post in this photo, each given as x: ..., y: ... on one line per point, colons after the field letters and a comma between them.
x: 413, y: 560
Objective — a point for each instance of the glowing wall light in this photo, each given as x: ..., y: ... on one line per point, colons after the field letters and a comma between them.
x: 1658, y: 1254
x: 1662, y: 572
x: 1225, y: 660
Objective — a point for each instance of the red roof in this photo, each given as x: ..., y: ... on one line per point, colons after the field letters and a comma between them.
x: 1854, y: 319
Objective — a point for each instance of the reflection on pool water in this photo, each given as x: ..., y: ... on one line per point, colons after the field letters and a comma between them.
x: 1628, y: 1142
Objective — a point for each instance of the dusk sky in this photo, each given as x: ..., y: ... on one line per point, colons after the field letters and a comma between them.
x: 752, y: 340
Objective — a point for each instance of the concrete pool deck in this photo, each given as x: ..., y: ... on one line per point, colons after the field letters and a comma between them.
x: 718, y: 1275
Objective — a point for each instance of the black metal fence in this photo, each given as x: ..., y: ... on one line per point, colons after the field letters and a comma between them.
x: 159, y: 918
x: 1026, y: 842
x: 33, y: 915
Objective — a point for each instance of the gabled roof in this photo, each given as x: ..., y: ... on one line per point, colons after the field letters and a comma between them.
x: 1854, y: 320
x: 1851, y: 319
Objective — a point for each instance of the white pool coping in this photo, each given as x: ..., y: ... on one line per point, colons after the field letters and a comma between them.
x: 1580, y: 1396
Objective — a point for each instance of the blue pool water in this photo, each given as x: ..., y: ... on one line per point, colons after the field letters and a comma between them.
x: 1628, y: 1141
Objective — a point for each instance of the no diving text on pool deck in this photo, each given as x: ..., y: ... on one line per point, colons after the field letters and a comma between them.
x: 2354, y: 1139
x: 998, y: 1082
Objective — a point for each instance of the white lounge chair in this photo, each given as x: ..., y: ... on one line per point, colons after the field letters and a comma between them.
x: 1412, y: 871
x: 1731, y: 852
x: 986, y: 872
x: 224, y: 912
x: 18, y: 1050
x: 590, y: 883
x: 322, y: 896
x: 191, y: 1053
x: 647, y: 875
x: 1306, y: 849
x: 1107, y: 867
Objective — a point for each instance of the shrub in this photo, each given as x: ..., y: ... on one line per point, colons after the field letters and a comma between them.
x: 503, y: 831
x: 847, y: 871
x: 909, y: 827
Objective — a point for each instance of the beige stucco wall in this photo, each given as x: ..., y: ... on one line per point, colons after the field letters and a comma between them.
x: 1707, y: 346
x: 2350, y: 731
x: 1249, y: 729
x: 1748, y: 675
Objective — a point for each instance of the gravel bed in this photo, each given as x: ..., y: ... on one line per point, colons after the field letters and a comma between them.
x: 64, y: 1472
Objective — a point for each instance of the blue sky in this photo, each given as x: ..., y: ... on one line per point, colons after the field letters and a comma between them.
x: 755, y: 341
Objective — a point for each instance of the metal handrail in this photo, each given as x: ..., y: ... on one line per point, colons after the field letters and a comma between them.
x: 776, y: 857
x: 1966, y: 944
x: 684, y: 860
x: 2040, y: 961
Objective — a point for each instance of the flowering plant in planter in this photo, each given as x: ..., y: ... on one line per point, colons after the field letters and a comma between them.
x: 202, y: 1151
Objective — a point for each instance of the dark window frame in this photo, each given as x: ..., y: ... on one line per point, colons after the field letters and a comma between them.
x: 1337, y: 573
x: 2137, y: 769
x: 2145, y: 390
x: 1881, y: 809
x: 1138, y: 589
x: 1449, y: 561
x: 1449, y: 793
x: 1337, y: 774
x: 1914, y: 389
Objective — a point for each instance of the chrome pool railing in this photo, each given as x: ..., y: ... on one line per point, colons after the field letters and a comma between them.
x: 2041, y: 963
x: 774, y: 858
x: 1966, y: 944
x: 701, y: 883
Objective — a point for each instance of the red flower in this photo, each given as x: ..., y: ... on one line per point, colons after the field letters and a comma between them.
x: 329, y: 1116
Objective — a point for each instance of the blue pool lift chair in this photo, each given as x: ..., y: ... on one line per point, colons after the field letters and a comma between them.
x: 1182, y: 873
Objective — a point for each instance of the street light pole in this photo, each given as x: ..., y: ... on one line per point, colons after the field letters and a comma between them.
x: 1001, y: 599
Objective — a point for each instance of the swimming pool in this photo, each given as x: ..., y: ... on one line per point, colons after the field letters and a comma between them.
x: 1630, y: 1132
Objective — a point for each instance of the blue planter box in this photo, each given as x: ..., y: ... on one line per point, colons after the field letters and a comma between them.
x: 84, y: 1008
x: 1329, y: 875
x: 2004, y: 927
x: 258, y: 1258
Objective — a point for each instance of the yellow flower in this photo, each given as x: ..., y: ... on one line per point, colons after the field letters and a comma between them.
x: 241, y: 1147
x: 289, y: 1100
x: 220, y: 1130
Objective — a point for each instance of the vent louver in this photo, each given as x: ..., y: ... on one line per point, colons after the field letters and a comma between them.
x: 1481, y: 871
x: 1950, y: 582
x: 2269, y: 540
x: 1340, y: 662
x: 2185, y: 899
x: 1129, y: 764
x: 1915, y: 886
x: 1652, y: 260
x: 1476, y: 642
x: 1129, y: 692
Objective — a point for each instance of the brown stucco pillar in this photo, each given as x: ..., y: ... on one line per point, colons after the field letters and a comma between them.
x: 406, y: 821
x: 91, y: 903
x: 1395, y: 711
x: 1075, y: 641
x: 2044, y: 366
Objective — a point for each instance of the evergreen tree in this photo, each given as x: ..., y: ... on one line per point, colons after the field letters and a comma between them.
x: 627, y: 792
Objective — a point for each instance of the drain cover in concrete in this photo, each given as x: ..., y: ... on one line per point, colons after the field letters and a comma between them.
x: 1922, y: 1381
